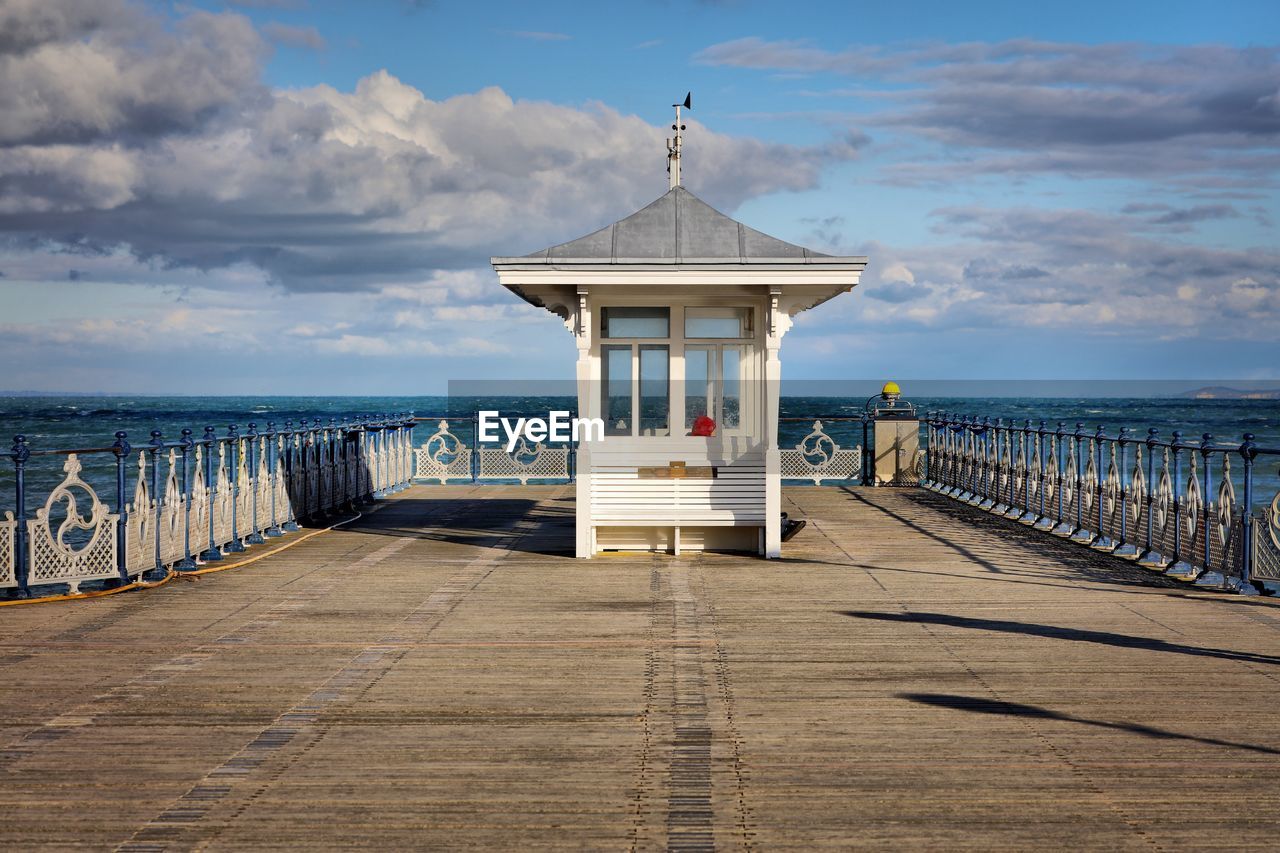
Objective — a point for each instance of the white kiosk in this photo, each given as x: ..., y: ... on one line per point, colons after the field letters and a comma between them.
x: 678, y: 312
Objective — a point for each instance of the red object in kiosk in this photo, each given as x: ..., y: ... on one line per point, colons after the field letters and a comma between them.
x: 703, y: 425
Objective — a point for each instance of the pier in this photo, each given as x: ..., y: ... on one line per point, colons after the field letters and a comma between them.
x: 441, y: 672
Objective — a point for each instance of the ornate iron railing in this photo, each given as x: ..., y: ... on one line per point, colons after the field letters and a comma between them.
x: 194, y: 500
x: 444, y: 456
x: 818, y: 457
x: 1156, y: 502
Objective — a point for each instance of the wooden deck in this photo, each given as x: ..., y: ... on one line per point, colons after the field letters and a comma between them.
x: 441, y: 674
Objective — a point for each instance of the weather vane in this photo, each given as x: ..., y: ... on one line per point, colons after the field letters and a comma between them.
x: 673, y: 145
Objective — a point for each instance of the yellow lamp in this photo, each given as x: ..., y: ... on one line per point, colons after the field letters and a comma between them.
x: 890, y: 391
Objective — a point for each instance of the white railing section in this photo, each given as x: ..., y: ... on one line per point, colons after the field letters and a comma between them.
x: 444, y: 456
x: 1169, y: 505
x: 524, y: 462
x: 196, y: 500
x: 817, y: 457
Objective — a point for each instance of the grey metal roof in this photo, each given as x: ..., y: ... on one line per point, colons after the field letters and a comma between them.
x: 678, y: 228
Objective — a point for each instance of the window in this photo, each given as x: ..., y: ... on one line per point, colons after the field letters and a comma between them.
x: 713, y: 384
x: 719, y: 355
x: 636, y: 380
x: 655, y: 389
x: 718, y: 323
x: 635, y: 322
x: 617, y: 390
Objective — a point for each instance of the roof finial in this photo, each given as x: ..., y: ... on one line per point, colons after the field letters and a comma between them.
x: 673, y: 145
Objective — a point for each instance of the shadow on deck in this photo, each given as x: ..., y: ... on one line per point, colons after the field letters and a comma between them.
x: 441, y: 673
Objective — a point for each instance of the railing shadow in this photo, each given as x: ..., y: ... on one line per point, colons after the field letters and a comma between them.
x: 1056, y: 632
x: 481, y: 522
x: 1102, y: 568
x: 978, y: 705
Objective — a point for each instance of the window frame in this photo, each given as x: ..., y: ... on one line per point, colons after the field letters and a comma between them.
x: 751, y: 365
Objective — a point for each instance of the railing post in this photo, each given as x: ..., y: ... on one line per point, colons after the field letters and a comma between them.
x: 1206, y: 501
x: 1001, y: 455
x: 303, y: 464
x: 333, y: 443
x: 186, y: 563
x: 938, y: 453
x: 1179, y: 568
x: 393, y: 455
x: 988, y: 468
x: 1037, y: 449
x: 1125, y: 548
x: 1079, y: 533
x: 1248, y: 452
x: 211, y: 554
x: 475, y: 447
x: 320, y: 447
x: 121, y: 451
x: 946, y: 455
x: 273, y: 482
x: 317, y: 461
x: 255, y: 535
x: 358, y: 450
x: 235, y: 546
x: 1103, y: 542
x: 971, y: 443
x: 1046, y: 456
x: 1016, y: 508
x: 20, y: 453
x: 868, y: 458
x: 1063, y: 527
x: 344, y: 446
x: 942, y: 478
x: 157, y: 444
x: 1012, y: 464
x: 290, y: 461
x: 1150, y: 556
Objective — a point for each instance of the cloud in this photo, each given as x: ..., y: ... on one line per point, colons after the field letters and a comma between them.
x: 1163, y: 214
x: 122, y: 78
x: 267, y: 4
x: 174, y: 148
x: 1208, y: 111
x: 535, y: 35
x: 994, y: 271
x: 303, y: 37
x: 27, y: 24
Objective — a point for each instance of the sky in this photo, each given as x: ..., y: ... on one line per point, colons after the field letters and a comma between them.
x: 301, y: 196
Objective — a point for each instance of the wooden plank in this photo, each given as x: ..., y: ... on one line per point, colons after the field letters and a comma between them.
x: 443, y: 674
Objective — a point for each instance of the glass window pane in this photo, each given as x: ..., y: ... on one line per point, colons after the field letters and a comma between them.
x: 731, y: 386
x: 635, y: 322
x: 655, y: 404
x: 717, y: 323
x: 697, y: 384
x: 616, y: 386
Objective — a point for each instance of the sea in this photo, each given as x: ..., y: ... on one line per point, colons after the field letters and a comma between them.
x: 67, y: 422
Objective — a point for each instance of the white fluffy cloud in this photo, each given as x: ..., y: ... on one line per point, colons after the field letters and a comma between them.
x: 124, y: 132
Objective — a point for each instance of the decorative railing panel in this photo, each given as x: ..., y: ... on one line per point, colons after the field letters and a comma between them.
x: 524, y: 463
x: 443, y: 457
x: 1266, y: 544
x: 818, y: 457
x: 1171, y: 506
x: 56, y: 558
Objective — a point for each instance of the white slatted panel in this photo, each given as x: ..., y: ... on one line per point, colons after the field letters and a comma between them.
x: 618, y: 494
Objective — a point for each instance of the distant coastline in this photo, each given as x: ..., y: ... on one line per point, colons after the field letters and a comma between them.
x: 1220, y: 392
